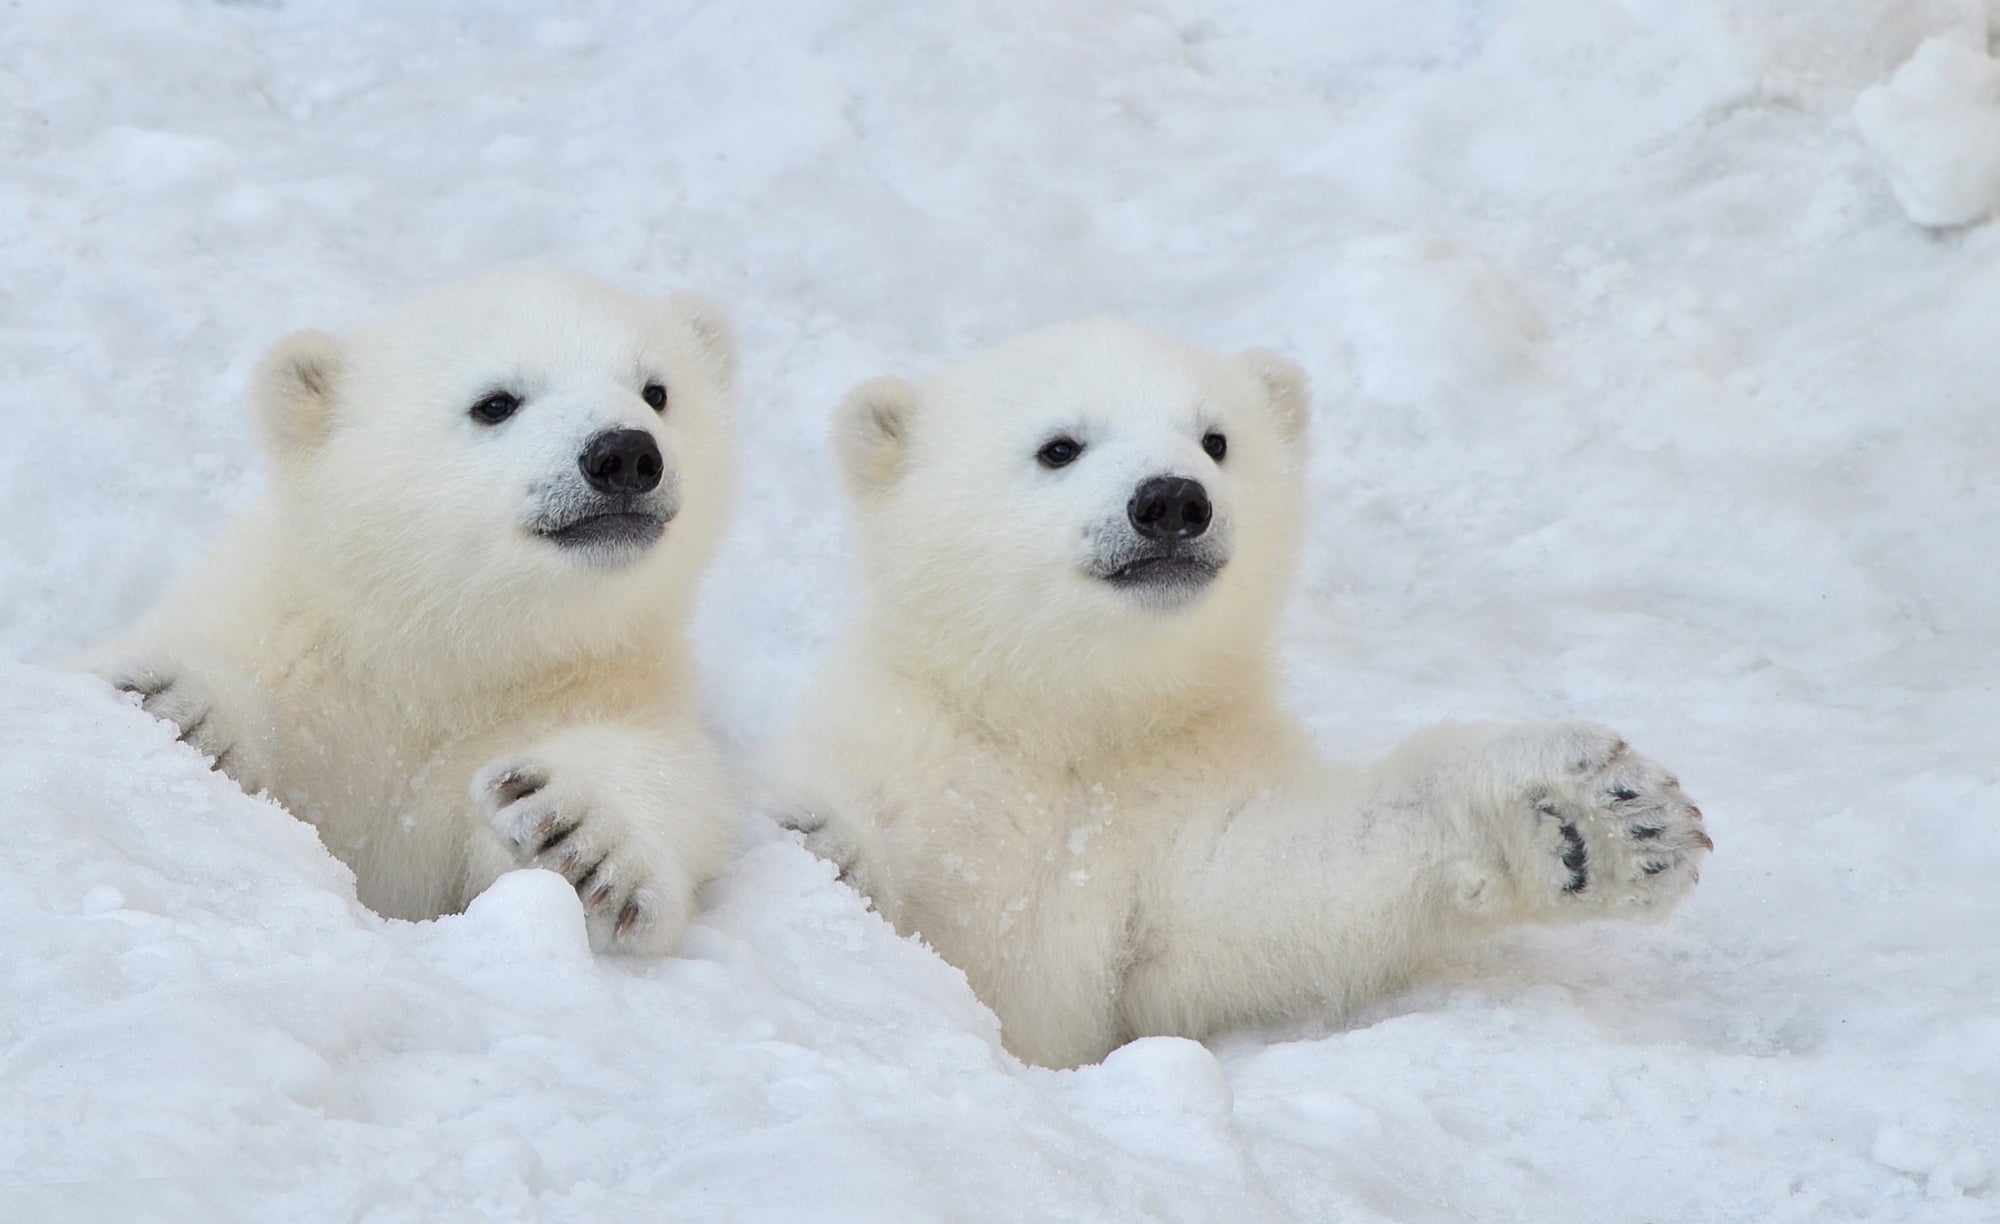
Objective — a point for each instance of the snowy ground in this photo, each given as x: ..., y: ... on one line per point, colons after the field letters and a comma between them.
x: 1643, y: 398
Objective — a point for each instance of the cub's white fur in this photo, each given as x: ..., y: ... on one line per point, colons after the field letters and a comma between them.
x: 435, y: 639
x: 1076, y: 784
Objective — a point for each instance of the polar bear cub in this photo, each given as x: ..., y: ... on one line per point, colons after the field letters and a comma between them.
x: 450, y: 634
x: 1049, y: 743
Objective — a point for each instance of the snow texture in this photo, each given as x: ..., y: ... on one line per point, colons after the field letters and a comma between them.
x: 1641, y: 399
x: 1936, y: 127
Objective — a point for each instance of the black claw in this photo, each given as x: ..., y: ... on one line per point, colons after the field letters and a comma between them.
x: 1645, y: 832
x: 557, y: 837
x: 590, y: 873
x: 514, y: 787
x: 187, y: 734
x: 1575, y: 857
x: 630, y: 917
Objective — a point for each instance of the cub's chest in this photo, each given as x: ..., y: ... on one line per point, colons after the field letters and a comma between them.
x: 1006, y: 852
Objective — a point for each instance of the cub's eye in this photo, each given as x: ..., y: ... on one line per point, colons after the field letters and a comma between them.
x: 496, y: 408
x: 655, y: 396
x: 1059, y: 452
x: 1216, y: 445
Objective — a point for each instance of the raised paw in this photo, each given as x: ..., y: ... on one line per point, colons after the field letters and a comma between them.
x: 558, y: 822
x: 1614, y: 831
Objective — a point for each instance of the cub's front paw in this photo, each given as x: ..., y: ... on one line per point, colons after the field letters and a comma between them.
x: 557, y: 819
x: 190, y: 705
x: 1612, y: 832
x: 845, y: 845
x: 827, y: 839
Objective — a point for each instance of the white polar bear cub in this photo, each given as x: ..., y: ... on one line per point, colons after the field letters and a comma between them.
x: 1050, y: 746
x: 450, y: 635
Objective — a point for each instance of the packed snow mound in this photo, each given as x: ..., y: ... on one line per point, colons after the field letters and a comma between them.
x: 1935, y: 125
x: 196, y: 1000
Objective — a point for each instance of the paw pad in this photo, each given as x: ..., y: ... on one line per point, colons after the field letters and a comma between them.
x: 1621, y: 838
x: 1575, y: 858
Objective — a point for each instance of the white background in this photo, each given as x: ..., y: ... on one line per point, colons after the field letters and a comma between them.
x: 1639, y: 399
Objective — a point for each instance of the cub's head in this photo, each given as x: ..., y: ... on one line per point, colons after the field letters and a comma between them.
x: 526, y: 445
x: 1091, y: 503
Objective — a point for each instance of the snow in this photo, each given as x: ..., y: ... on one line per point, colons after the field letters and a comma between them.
x: 1936, y: 127
x: 1648, y: 392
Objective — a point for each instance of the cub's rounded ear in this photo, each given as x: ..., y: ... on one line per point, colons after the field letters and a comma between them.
x: 292, y: 391
x: 1285, y: 385
x: 714, y: 332
x: 871, y: 433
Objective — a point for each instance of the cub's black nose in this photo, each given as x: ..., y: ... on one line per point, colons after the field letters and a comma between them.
x: 1170, y: 508
x: 622, y: 461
